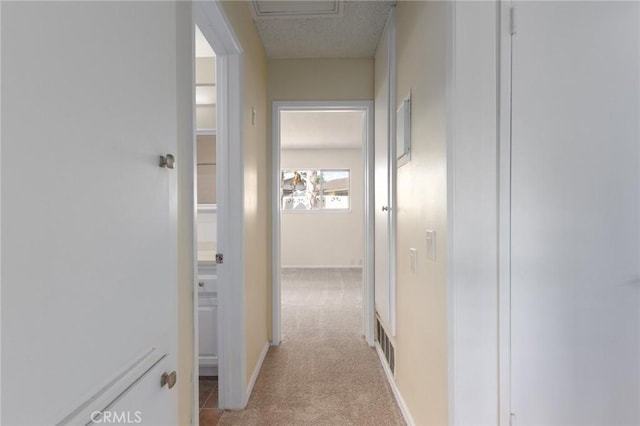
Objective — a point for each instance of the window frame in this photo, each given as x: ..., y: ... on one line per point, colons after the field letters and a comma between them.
x: 320, y: 210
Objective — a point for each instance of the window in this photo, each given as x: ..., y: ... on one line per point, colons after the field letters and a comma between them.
x: 304, y: 190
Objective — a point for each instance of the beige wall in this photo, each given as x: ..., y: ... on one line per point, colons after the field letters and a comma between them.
x: 257, y: 214
x: 321, y: 79
x: 421, y: 341
x: 186, y: 201
x: 324, y: 238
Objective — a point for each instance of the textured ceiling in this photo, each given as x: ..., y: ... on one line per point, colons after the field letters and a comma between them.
x: 321, y: 129
x: 352, y: 33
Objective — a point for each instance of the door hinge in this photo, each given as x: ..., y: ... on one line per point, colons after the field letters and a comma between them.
x: 512, y: 20
x: 219, y: 258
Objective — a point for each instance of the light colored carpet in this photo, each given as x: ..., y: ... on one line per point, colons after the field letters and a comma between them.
x: 323, y: 372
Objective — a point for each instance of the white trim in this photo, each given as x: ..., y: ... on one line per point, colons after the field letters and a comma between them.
x: 206, y: 132
x: 396, y: 392
x: 207, y: 208
x: 212, y: 21
x: 187, y: 173
x: 368, y: 267
x: 451, y: 216
x: 317, y: 211
x: 276, y: 228
x: 504, y: 39
x: 256, y: 372
x: 393, y: 170
x: 0, y: 210
x: 368, y: 290
x: 321, y: 267
x: 208, y: 371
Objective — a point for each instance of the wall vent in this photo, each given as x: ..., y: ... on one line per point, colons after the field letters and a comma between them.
x: 270, y: 9
x: 385, y: 344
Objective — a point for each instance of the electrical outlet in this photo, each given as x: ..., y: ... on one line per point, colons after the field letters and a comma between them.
x: 431, y: 245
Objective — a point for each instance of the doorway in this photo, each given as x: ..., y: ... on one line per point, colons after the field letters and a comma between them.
x: 206, y: 319
x: 322, y: 181
x: 223, y: 124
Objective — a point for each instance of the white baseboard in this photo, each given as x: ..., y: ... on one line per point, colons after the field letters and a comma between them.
x: 403, y: 406
x: 256, y: 372
x: 321, y: 267
x: 208, y: 371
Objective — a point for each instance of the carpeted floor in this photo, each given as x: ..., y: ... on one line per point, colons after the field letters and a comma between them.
x: 323, y: 372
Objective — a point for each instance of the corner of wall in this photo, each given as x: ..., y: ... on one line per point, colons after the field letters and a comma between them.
x: 257, y: 236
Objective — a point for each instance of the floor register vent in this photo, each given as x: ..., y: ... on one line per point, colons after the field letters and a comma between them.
x: 386, y: 346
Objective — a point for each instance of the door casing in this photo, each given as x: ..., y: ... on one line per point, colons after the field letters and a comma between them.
x: 367, y: 149
x: 504, y: 38
x: 212, y: 21
x: 385, y: 275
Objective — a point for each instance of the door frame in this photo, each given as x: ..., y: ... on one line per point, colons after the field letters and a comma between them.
x: 505, y: 41
x: 212, y: 21
x: 392, y: 174
x: 367, y: 266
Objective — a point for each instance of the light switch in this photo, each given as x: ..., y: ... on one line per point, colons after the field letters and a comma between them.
x: 431, y: 245
x: 413, y: 257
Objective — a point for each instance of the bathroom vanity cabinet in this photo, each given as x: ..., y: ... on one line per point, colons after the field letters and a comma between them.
x: 208, y: 319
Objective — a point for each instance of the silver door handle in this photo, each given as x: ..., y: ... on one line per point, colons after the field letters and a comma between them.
x: 385, y: 208
x: 168, y: 161
x: 168, y: 379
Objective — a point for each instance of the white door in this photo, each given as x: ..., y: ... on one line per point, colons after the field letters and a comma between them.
x: 384, y: 284
x: 576, y: 214
x: 88, y: 216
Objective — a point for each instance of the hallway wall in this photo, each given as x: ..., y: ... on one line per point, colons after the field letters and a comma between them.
x: 326, y: 238
x: 257, y: 210
x: 186, y: 201
x: 321, y: 79
x: 423, y: 32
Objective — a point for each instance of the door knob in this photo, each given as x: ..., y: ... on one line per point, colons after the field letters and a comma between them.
x: 385, y: 208
x: 168, y: 161
x: 201, y: 283
x: 168, y: 379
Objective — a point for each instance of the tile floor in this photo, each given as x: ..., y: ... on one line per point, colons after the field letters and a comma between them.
x: 208, y: 389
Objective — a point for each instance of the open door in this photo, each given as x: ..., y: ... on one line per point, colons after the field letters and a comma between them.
x: 89, y: 258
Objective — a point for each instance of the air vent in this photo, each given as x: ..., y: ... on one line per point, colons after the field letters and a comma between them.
x: 296, y: 9
x: 387, y: 347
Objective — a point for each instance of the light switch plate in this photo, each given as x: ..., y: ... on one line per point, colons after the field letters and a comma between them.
x: 431, y: 245
x: 413, y: 257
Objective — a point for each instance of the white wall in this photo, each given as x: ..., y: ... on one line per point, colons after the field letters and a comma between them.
x: 206, y: 74
x: 324, y: 238
x: 472, y: 201
x: 207, y: 231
